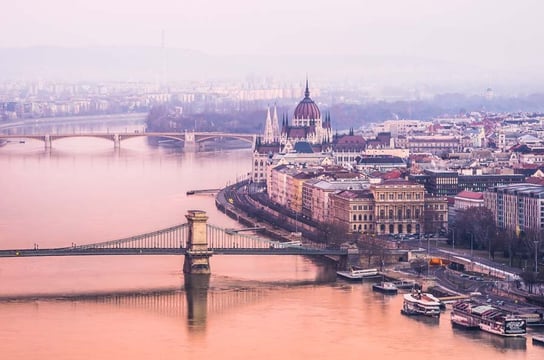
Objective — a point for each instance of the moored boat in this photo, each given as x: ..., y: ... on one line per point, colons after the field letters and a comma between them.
x: 420, y: 303
x: 359, y: 274
x: 473, y: 315
x: 538, y: 339
x: 385, y: 287
x: 461, y: 315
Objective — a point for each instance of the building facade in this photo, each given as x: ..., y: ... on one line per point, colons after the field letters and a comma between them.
x: 517, y: 207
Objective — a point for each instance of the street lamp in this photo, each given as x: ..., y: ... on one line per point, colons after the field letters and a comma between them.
x: 536, y: 255
x: 452, y: 238
x: 471, y: 244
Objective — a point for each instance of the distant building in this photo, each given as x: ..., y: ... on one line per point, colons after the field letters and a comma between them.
x: 517, y: 207
x: 467, y: 199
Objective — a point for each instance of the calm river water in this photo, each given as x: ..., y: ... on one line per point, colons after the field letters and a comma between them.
x: 259, y: 307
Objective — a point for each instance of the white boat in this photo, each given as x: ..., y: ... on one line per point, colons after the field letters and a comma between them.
x: 359, y: 274
x: 538, y: 339
x: 473, y: 315
x: 498, y: 322
x: 385, y: 287
x: 420, y: 303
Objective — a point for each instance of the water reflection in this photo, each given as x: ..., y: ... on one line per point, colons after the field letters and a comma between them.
x: 196, y: 290
x: 498, y: 342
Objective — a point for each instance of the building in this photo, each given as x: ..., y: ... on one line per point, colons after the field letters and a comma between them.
x: 316, y: 195
x: 517, y: 207
x: 480, y: 183
x: 467, y: 199
x: 442, y: 182
x: 450, y: 183
x: 307, y: 132
x: 354, y: 209
x: 379, y: 163
x: 398, y: 207
x: 307, y: 125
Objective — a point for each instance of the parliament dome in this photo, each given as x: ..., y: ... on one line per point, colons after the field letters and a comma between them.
x: 307, y: 108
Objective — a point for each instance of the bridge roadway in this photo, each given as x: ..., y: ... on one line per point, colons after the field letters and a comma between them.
x: 288, y: 250
x: 189, y: 137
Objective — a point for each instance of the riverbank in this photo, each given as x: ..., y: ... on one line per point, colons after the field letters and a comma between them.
x: 236, y: 203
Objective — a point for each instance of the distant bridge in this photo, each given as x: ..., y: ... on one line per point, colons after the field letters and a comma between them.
x: 191, y: 139
x: 195, y: 240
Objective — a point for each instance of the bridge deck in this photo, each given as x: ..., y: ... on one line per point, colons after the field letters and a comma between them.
x: 164, y: 251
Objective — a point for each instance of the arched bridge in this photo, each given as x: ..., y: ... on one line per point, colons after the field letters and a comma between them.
x: 196, y: 240
x: 190, y: 138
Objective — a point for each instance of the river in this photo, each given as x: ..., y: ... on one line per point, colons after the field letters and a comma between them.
x: 131, y: 307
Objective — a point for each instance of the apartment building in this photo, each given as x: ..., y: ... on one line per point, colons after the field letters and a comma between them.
x: 517, y: 207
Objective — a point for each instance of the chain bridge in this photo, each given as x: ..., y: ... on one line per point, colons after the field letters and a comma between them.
x: 196, y: 240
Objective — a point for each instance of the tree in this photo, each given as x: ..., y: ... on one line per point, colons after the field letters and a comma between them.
x: 334, y: 233
x: 372, y: 247
x: 477, y: 224
x: 419, y: 265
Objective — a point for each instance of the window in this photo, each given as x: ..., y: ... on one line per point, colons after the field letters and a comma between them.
x: 390, y: 213
x: 417, y: 213
x: 391, y: 196
x: 354, y: 217
x: 399, y: 214
x: 408, y: 213
x: 382, y: 214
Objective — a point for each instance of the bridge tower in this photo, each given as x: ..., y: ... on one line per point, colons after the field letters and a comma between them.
x: 197, y: 258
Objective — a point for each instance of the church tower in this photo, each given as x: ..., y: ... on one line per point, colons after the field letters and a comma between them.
x: 268, y: 137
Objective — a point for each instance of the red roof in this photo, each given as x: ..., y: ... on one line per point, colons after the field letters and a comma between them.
x: 471, y: 195
x: 535, y: 180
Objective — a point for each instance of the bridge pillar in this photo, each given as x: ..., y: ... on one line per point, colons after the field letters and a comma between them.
x: 197, y: 258
x: 116, y: 141
x: 47, y: 141
x: 196, y: 291
x: 190, y: 142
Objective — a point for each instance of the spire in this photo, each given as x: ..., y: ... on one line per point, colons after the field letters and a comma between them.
x: 275, y: 125
x: 307, y: 91
x: 268, y: 131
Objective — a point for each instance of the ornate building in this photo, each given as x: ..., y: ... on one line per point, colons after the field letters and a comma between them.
x: 306, y: 126
x: 307, y: 132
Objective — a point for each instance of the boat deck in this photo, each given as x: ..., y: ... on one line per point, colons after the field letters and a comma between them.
x: 538, y: 339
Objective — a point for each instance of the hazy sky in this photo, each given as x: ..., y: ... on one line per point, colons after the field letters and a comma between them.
x: 503, y: 34
x: 460, y: 28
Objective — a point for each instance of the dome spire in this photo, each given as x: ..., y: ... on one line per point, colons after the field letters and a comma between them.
x: 307, y: 91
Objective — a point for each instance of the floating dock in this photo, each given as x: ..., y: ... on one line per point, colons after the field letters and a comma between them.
x: 203, y: 191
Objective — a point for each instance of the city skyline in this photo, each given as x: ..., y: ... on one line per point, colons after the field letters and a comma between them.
x: 396, y: 43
